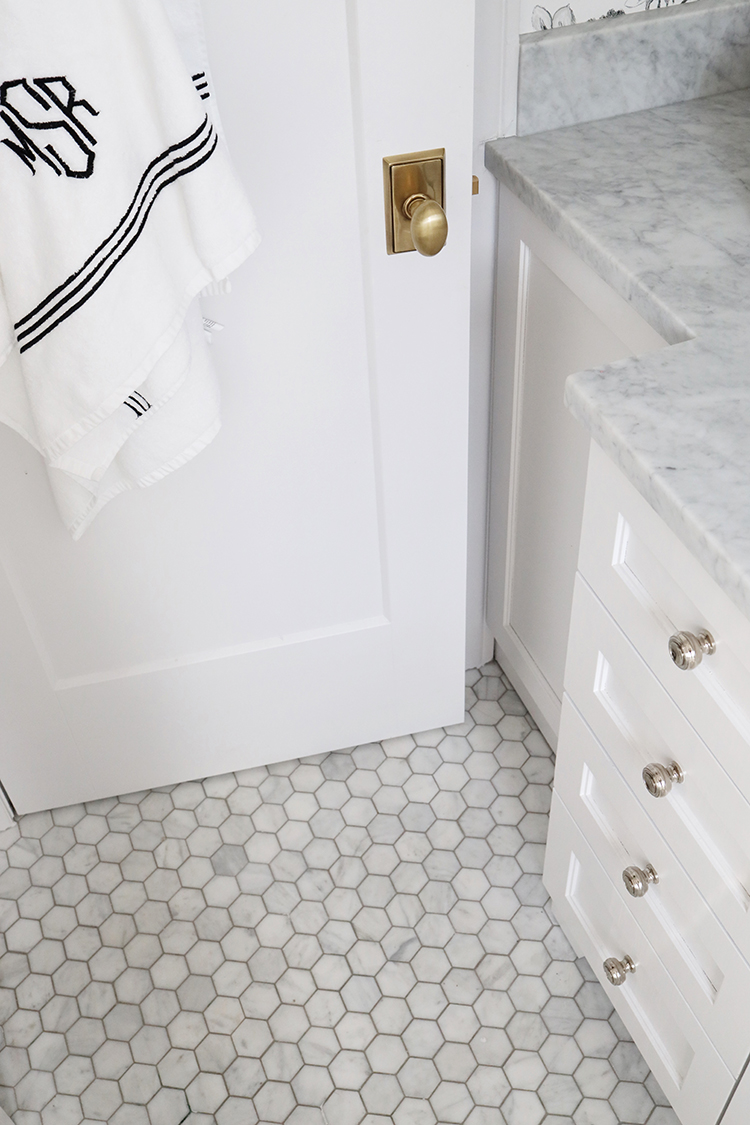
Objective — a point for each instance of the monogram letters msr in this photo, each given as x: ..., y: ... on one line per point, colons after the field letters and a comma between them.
x: 47, y: 109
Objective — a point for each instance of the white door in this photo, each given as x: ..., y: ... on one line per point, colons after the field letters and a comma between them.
x: 300, y: 585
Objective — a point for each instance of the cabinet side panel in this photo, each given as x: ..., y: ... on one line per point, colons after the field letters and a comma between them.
x: 554, y: 316
x: 562, y: 336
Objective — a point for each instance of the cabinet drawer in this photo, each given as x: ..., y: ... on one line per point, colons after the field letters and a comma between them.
x: 654, y: 587
x: 705, y: 965
x: 683, y: 1059
x: 705, y: 819
x: 738, y: 1110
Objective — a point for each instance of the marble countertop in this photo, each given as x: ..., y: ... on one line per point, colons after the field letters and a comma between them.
x: 658, y: 204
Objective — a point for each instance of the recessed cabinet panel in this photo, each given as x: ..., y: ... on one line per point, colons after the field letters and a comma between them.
x: 554, y: 317
x: 672, y: 1041
x: 560, y: 336
x: 704, y: 820
x: 703, y: 962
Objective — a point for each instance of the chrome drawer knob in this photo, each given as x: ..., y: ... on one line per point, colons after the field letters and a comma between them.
x: 688, y: 649
x: 638, y: 881
x: 617, y: 971
x: 659, y: 778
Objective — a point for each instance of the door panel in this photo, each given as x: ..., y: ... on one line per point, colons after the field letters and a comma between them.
x: 300, y: 585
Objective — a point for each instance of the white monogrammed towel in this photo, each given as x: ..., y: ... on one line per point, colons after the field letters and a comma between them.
x: 186, y: 18
x: 118, y: 206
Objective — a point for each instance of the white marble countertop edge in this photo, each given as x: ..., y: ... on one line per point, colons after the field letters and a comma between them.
x: 672, y: 420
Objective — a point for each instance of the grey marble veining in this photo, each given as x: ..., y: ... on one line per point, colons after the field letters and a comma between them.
x: 658, y: 203
x: 598, y: 70
x: 358, y: 938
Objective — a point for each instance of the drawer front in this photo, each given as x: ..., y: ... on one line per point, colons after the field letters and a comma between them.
x: 705, y: 819
x: 586, y: 903
x: 653, y: 587
x: 738, y: 1111
x: 705, y: 965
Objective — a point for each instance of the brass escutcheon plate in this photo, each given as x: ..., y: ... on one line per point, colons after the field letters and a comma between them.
x: 411, y: 173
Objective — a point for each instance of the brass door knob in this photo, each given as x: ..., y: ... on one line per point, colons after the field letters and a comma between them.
x: 688, y: 649
x: 659, y: 779
x: 617, y: 971
x: 429, y: 226
x: 637, y: 880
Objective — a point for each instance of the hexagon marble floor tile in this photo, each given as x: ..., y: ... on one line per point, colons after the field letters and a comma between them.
x: 359, y: 937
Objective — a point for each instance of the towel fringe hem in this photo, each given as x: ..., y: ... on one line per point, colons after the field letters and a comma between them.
x: 217, y: 288
x: 115, y: 399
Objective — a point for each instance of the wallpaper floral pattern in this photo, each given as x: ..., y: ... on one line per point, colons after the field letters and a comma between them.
x: 537, y: 17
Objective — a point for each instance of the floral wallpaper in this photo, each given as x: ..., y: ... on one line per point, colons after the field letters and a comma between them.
x: 536, y: 17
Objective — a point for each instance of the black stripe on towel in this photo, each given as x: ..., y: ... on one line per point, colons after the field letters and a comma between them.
x: 201, y: 84
x: 138, y: 403
x: 145, y: 179
x: 175, y: 162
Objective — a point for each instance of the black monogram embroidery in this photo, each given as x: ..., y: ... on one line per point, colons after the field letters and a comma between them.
x: 47, y: 107
x: 177, y: 161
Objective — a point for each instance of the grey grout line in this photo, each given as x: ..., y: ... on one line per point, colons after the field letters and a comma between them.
x: 357, y: 938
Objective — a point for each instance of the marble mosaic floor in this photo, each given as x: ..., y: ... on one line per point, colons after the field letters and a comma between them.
x: 360, y: 937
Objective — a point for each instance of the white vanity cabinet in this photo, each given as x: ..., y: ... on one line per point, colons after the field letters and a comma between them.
x: 554, y: 316
x: 587, y: 587
x: 648, y: 855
